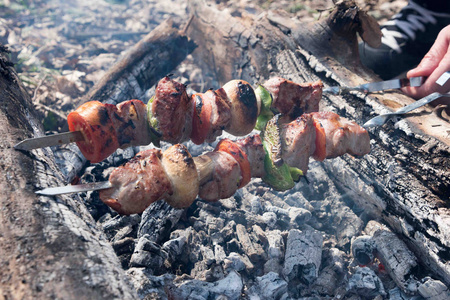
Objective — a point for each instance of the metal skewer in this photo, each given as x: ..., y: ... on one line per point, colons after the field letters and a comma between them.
x: 78, y: 188
x: 50, y: 140
x: 203, y: 163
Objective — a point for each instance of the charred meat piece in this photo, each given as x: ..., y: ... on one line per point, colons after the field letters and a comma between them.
x: 173, y: 110
x: 298, y: 142
x: 94, y: 120
x: 131, y: 124
x: 232, y: 148
x: 137, y: 184
x: 252, y: 145
x: 220, y: 113
x: 294, y: 99
x: 211, y: 115
x: 182, y: 173
x: 225, y: 179
x: 342, y: 136
x: 244, y: 107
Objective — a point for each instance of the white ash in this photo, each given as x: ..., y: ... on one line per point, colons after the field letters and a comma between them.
x: 366, y: 283
x: 432, y: 289
x: 270, y: 286
x: 305, y: 236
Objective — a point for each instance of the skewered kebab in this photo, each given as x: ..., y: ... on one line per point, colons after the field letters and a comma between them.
x: 172, y: 116
x: 279, y: 157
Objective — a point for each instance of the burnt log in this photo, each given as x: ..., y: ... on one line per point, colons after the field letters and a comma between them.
x: 404, y: 181
x: 51, y: 247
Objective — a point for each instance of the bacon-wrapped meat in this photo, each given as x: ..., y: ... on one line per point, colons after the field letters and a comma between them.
x: 294, y: 99
x: 342, y: 136
x: 172, y: 111
x: 225, y: 178
x: 298, y: 142
x: 138, y: 183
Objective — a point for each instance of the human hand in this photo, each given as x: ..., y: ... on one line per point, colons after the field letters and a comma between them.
x: 435, y: 63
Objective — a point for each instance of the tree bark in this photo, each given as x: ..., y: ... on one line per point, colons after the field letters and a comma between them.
x: 405, y: 179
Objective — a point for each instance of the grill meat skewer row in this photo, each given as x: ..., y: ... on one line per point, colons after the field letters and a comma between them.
x: 177, y: 177
x: 172, y: 116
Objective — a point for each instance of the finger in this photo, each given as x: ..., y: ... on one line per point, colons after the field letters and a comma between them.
x: 430, y: 85
x: 432, y: 59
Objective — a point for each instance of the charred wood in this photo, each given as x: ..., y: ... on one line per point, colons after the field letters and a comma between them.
x: 51, y: 246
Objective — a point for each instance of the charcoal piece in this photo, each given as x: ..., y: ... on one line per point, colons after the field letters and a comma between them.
x: 174, y: 248
x: 126, y: 231
x: 120, y: 156
x: 372, y: 226
x: 207, y: 254
x: 335, y: 258
x: 149, y: 286
x: 214, y: 273
x: 115, y: 225
x: 256, y: 206
x: 234, y: 262
x: 233, y: 245
x: 125, y: 245
x: 253, y: 250
x: 269, y: 286
x: 362, y: 249
x: 158, y: 220
x: 276, y: 244
x: 297, y: 199
x: 270, y: 219
x: 219, y: 253
x: 148, y: 254
x: 398, y: 260
x: 303, y: 255
x: 366, y: 283
x: 331, y: 280
x: 273, y: 265
x: 432, y: 289
x: 259, y: 235
x: 299, y: 216
x: 231, y: 287
x: 228, y: 232
x: 207, y: 270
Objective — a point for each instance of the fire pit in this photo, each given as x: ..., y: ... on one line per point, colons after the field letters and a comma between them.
x: 372, y: 227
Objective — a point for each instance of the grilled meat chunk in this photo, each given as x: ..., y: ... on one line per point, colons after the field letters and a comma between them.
x: 220, y: 113
x: 137, y: 184
x: 252, y: 145
x: 173, y: 110
x: 294, y: 99
x: 298, y: 142
x: 342, y: 136
x: 225, y: 179
x: 212, y: 113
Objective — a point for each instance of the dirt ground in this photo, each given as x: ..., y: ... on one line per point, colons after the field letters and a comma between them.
x: 62, y: 48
